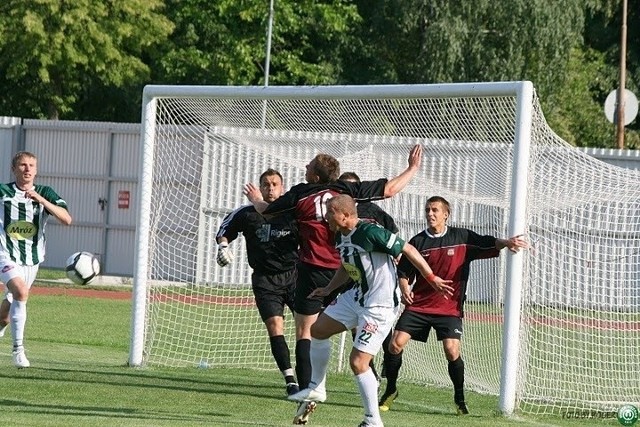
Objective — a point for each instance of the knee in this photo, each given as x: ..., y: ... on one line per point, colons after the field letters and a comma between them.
x: 358, y: 365
x: 395, y: 347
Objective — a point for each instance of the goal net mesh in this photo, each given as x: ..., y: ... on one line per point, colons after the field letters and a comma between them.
x: 580, y: 321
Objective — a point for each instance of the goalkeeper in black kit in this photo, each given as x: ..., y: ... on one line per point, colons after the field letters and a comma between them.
x: 272, y: 252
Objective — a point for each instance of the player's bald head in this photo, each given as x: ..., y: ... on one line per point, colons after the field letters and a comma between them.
x: 343, y: 203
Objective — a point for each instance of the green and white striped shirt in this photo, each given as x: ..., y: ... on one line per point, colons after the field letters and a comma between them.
x: 23, y: 222
x: 367, y: 254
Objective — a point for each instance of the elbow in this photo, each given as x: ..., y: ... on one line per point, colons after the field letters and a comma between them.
x: 389, y: 191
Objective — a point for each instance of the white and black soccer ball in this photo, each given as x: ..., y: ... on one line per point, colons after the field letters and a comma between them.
x: 82, y: 268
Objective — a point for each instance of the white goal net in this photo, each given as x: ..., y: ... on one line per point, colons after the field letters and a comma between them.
x: 570, y: 305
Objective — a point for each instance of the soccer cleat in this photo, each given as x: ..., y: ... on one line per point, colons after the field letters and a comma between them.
x: 292, y: 388
x: 20, y: 359
x: 308, y: 394
x: 305, y: 409
x: 387, y: 400
x: 462, y: 408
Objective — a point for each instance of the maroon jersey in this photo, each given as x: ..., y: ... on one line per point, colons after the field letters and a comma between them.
x: 449, y: 254
x: 309, y: 204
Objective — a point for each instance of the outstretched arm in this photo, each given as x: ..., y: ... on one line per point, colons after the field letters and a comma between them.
x: 395, y: 185
x: 425, y: 270
x: 514, y: 244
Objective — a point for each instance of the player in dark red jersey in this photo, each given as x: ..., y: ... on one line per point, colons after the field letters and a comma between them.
x: 319, y: 259
x: 272, y: 252
x: 449, y: 251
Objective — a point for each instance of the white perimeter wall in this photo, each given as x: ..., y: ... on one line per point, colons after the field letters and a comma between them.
x: 93, y: 164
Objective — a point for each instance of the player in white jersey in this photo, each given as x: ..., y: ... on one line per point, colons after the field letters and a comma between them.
x: 367, y: 252
x: 25, y: 210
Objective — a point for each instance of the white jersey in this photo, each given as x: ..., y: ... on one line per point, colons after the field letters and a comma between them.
x: 23, y: 222
x: 367, y: 254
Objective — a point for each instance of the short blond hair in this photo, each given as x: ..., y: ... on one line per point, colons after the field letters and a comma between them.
x: 19, y: 155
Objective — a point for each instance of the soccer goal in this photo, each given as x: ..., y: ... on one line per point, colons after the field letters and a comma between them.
x: 550, y: 330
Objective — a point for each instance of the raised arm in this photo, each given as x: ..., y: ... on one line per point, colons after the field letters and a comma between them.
x: 395, y: 185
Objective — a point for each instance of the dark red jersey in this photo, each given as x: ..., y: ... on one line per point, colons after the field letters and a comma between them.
x: 309, y: 204
x: 449, y: 254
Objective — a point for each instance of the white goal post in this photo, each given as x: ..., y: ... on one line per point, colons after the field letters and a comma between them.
x: 550, y: 330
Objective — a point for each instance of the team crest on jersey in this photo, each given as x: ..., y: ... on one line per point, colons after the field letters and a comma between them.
x: 451, y: 252
x: 21, y: 230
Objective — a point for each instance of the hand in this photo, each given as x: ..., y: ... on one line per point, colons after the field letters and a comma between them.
x: 33, y: 195
x: 516, y: 243
x: 406, y: 296
x: 319, y: 292
x: 252, y: 192
x: 415, y: 156
x: 225, y: 256
x: 442, y: 286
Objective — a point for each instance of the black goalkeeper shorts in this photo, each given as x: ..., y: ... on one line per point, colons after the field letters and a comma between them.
x: 272, y: 292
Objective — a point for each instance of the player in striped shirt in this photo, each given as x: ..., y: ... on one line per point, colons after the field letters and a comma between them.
x: 26, y: 207
x: 367, y: 254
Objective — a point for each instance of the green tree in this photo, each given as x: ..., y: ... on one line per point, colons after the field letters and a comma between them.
x: 54, y: 53
x: 224, y: 42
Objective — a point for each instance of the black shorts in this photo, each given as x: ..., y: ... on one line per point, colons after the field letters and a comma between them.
x: 418, y: 325
x: 273, y: 292
x: 310, y: 278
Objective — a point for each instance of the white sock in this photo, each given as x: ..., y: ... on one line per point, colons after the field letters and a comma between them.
x: 368, y: 386
x: 320, y: 354
x: 18, y: 316
x: 2, y: 330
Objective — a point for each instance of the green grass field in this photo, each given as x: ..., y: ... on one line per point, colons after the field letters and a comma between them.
x: 78, y: 348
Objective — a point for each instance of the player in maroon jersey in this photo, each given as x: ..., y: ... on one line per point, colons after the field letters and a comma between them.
x: 319, y: 259
x: 449, y: 251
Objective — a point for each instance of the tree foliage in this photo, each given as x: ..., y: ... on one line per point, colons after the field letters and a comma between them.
x: 223, y: 42
x: 89, y: 59
x: 53, y: 51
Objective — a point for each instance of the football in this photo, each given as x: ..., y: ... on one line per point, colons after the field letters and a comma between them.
x: 82, y: 268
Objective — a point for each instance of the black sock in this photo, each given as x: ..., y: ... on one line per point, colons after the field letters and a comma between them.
x: 280, y: 351
x: 456, y: 373
x: 303, y: 363
x: 385, y: 350
x: 392, y: 363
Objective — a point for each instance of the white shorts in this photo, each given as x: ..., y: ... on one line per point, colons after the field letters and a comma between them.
x: 372, y: 323
x: 9, y: 270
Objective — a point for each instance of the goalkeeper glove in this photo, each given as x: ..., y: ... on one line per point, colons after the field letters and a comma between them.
x: 224, y: 254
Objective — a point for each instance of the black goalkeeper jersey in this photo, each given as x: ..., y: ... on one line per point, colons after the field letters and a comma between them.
x: 272, y: 244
